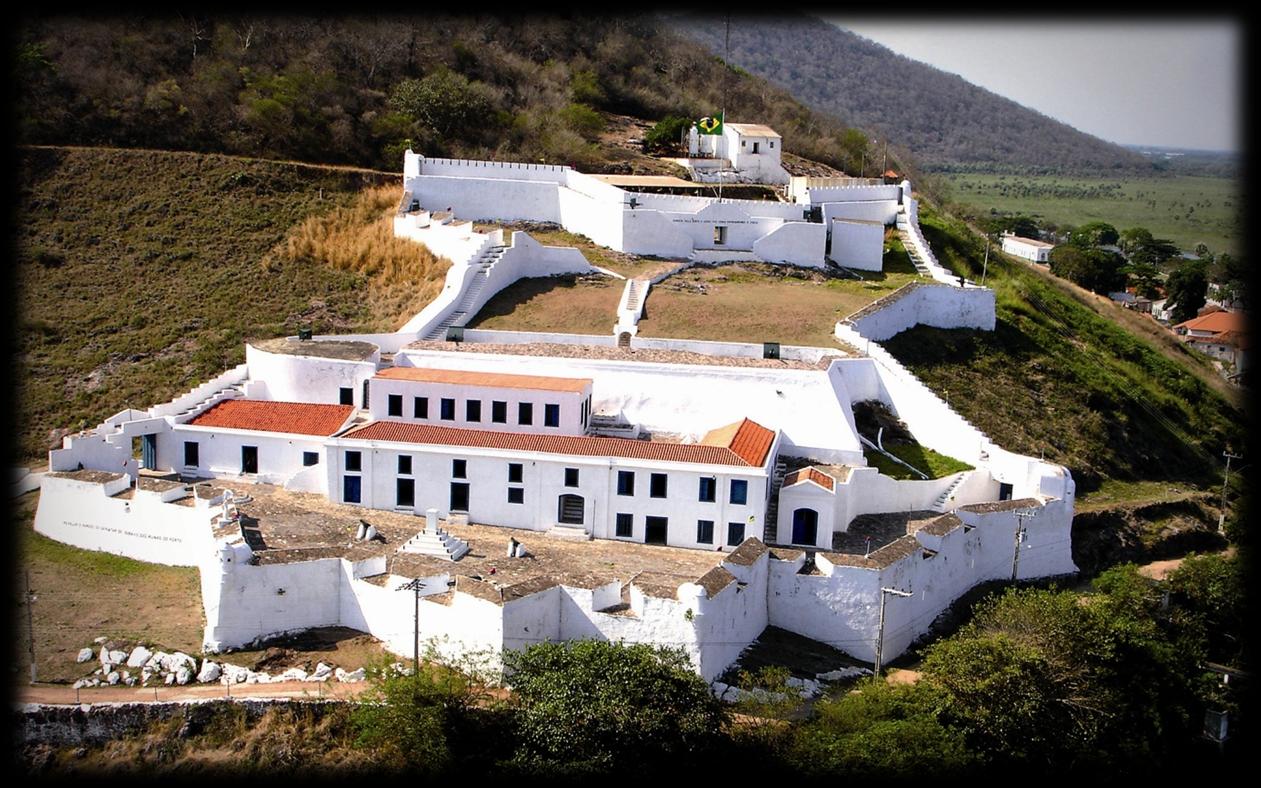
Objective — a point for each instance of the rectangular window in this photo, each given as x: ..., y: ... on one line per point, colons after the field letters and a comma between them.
x: 346, y: 395
x: 571, y: 477
x: 499, y: 412
x: 350, y: 489
x: 516, y: 495
x: 770, y: 144
x: 657, y: 485
x: 448, y: 409
x: 394, y: 404
x: 473, y: 410
x: 720, y: 235
x: 625, y: 525
x: 735, y: 534
x: 705, y: 531
x: 249, y: 459
x: 405, y: 492
x: 551, y: 415
x: 420, y: 407
x: 514, y: 472
x: 191, y: 453
x: 755, y: 145
x: 525, y: 413
x: 354, y: 461
x: 739, y: 491
x: 405, y: 464
x: 625, y: 482
x: 459, y: 496
x: 459, y: 469
x: 708, y: 484
x: 310, y: 458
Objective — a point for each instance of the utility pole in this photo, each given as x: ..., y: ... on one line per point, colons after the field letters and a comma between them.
x: 1021, y: 514
x: 414, y: 586
x: 1221, y: 518
x: 884, y: 592
x: 986, y: 266
x: 30, y: 623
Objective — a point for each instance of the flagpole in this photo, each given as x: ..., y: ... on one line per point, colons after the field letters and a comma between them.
x: 726, y: 68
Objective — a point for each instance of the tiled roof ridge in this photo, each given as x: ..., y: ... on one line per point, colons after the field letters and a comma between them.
x: 282, y: 416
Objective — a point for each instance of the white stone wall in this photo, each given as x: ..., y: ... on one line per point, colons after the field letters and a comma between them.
x: 84, y: 515
x: 857, y: 244
x: 826, y: 194
x: 936, y: 305
x: 291, y: 378
x: 219, y: 452
x: 797, y: 243
x: 883, y: 211
x: 570, y: 403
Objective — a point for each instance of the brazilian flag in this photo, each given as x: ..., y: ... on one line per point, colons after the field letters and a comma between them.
x: 711, y: 125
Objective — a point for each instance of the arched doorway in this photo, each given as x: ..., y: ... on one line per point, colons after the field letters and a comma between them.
x: 570, y: 509
x: 805, y: 526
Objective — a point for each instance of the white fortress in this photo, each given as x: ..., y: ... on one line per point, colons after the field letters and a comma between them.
x: 578, y: 491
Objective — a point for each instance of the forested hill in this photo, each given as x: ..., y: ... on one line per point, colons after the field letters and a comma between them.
x: 947, y: 122
x: 361, y: 90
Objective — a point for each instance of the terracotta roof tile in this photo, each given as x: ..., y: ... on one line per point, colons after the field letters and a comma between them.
x: 749, y: 551
x: 297, y: 418
x: 1216, y: 322
x: 582, y: 445
x: 502, y: 380
x: 810, y: 475
x: 748, y: 439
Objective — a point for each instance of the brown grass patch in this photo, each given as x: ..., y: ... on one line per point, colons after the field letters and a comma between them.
x: 570, y: 305
x: 403, y: 276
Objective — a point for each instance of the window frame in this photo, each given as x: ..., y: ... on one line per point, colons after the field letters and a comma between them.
x: 665, y: 485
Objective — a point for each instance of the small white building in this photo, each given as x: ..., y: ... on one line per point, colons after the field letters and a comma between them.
x: 745, y: 152
x: 1027, y: 248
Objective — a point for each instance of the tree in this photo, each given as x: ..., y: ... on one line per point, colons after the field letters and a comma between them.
x: 1094, y: 234
x: 1097, y: 270
x: 445, y: 102
x: 1052, y: 679
x: 1187, y: 290
x: 664, y: 136
x: 1131, y: 238
x: 1146, y: 279
x: 880, y: 731
x: 594, y: 707
x: 1208, y: 593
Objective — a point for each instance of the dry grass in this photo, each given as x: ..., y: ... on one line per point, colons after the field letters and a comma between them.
x: 570, y: 305
x: 403, y: 276
x: 749, y: 302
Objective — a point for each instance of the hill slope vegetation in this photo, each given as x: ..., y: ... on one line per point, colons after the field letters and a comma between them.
x: 947, y: 122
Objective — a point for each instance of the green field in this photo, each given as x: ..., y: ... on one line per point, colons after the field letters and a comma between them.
x: 1185, y: 209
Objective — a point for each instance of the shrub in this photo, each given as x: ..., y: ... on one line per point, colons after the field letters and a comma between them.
x: 665, y: 135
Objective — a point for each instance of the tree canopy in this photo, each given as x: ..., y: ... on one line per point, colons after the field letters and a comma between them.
x: 1187, y: 289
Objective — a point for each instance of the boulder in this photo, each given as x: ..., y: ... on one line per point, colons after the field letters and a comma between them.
x: 292, y: 674
x: 183, y: 675
x: 155, y: 660
x: 81, y: 683
x: 113, y: 677
x: 322, y: 671
x: 209, y: 671
x: 104, y: 655
x: 130, y: 681
x: 85, y: 654
x: 719, y: 689
x: 169, y: 678
x: 339, y: 674
x: 145, y: 675
x: 843, y: 673
x: 179, y: 659
x: 118, y: 657
x: 139, y: 656
x: 126, y: 675
x: 100, y: 640
x: 354, y: 675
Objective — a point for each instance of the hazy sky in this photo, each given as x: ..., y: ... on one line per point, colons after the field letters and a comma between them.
x: 1172, y: 83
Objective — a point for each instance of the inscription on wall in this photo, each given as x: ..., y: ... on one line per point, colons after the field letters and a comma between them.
x: 122, y: 531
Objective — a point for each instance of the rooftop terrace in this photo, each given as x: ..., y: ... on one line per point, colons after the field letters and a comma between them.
x: 345, y: 350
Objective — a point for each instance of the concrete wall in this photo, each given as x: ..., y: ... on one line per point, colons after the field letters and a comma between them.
x: 569, y: 402
x: 219, y: 453
x: 819, y: 195
x: 84, y: 515
x: 883, y: 211
x: 937, y: 305
x: 799, y: 243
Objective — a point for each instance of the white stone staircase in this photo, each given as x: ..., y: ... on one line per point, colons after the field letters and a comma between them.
x: 612, y: 426
x: 459, y: 316
x: 437, y: 543
x: 912, y: 249
x: 573, y: 532
x: 943, y: 501
x: 772, y: 505
x: 227, y: 392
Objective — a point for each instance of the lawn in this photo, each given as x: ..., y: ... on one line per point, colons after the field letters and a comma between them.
x: 565, y: 304
x: 80, y: 595
x: 921, y: 458
x: 1185, y: 209
x: 757, y: 302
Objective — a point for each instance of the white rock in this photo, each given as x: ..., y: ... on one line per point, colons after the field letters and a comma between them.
x: 322, y: 671
x: 118, y: 657
x: 146, y: 674
x: 85, y: 654
x: 126, y: 675
x: 843, y: 673
x: 96, y: 682
x: 113, y: 677
x: 354, y: 675
x: 793, y: 681
x: 170, y: 678
x: 130, y: 681
x: 99, y: 672
x: 81, y: 683
x: 139, y: 656
x: 293, y: 674
x: 104, y: 656
x: 100, y: 640
x: 183, y: 675
x: 719, y: 688
x: 180, y: 659
x: 106, y: 667
x: 155, y: 661
x: 209, y: 671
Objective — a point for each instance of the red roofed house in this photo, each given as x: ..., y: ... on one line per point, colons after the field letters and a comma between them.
x: 1220, y: 334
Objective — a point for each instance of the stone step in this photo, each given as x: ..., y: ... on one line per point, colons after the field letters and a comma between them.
x: 569, y: 531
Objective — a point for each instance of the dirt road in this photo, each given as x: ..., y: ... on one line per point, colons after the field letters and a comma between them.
x: 64, y: 694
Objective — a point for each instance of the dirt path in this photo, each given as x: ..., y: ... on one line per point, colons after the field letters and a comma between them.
x: 62, y: 694
x: 1160, y: 570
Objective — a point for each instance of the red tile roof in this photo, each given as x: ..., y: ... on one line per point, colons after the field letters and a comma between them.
x: 298, y: 418
x: 738, y: 453
x: 810, y: 474
x: 502, y: 380
x: 1216, y: 322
